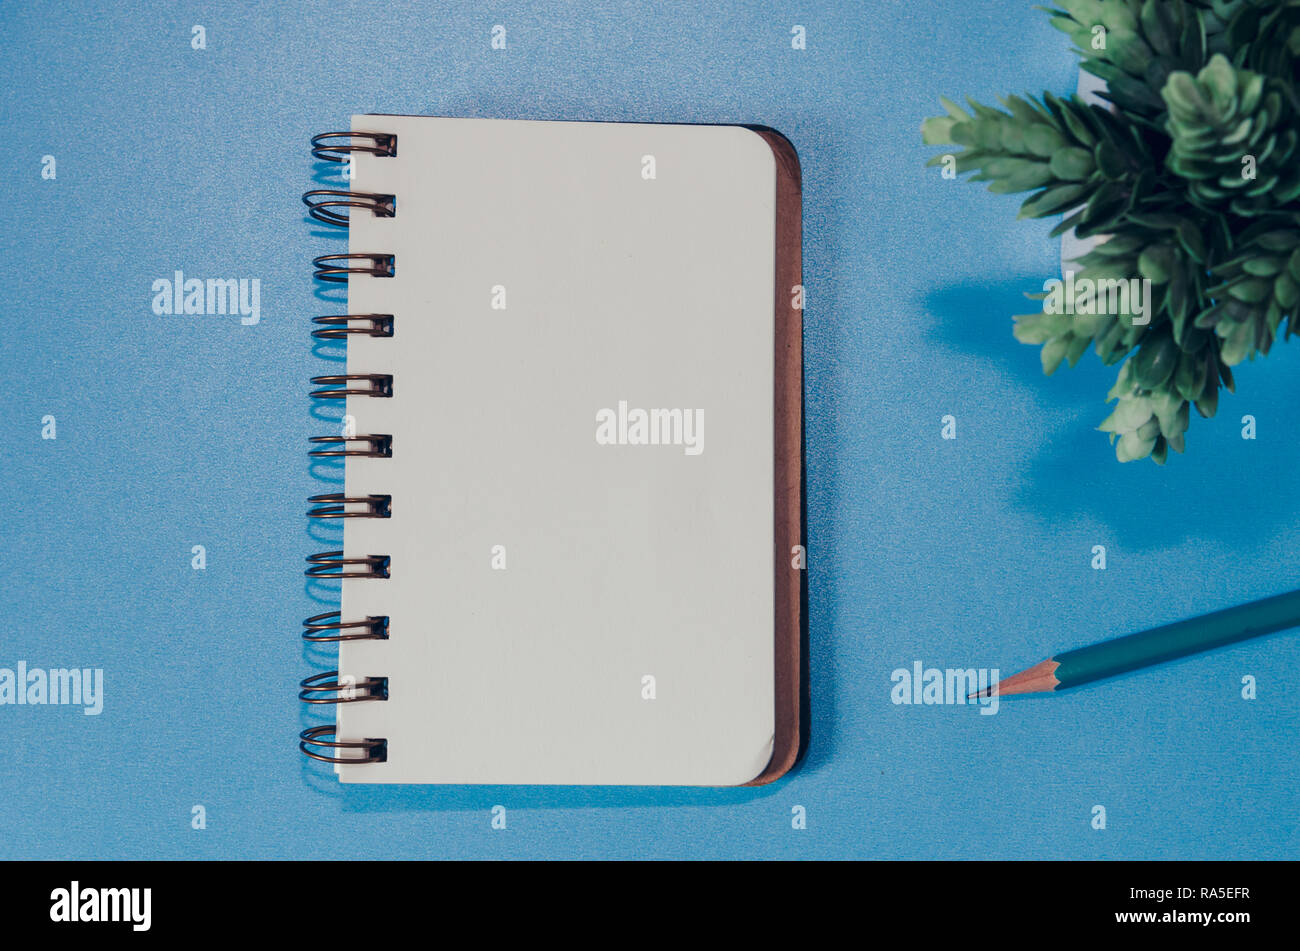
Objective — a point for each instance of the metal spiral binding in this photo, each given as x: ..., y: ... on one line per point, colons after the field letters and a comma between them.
x: 321, y: 201
x: 371, y: 629
x: 332, y: 565
x: 323, y: 147
x: 342, y: 690
x: 336, y: 505
x: 340, y: 326
x: 377, y: 447
x: 335, y: 207
x: 337, y: 386
x: 373, y: 750
x: 329, y: 267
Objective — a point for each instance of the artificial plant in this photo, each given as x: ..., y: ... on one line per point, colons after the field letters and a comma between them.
x: 1192, y: 177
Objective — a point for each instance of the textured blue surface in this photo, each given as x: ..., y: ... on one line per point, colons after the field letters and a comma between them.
x: 180, y: 431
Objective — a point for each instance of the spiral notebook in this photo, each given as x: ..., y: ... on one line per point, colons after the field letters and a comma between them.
x: 572, y: 520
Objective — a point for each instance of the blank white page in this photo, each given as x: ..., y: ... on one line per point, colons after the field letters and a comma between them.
x: 621, y: 561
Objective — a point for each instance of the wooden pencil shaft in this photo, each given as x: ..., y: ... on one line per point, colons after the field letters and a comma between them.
x: 1179, y: 639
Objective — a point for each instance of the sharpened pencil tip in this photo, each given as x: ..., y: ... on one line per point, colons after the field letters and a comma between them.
x: 1039, y: 678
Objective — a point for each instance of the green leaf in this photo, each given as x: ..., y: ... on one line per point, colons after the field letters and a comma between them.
x: 1185, y: 381
x: 1262, y: 267
x: 1131, y: 446
x: 1189, y: 236
x: 1208, y: 404
x: 1071, y: 221
x: 1072, y: 164
x: 1074, y: 113
x: 1043, y: 141
x: 1156, y: 263
x: 1110, y: 161
x: 1160, y: 451
x: 1078, y: 346
x: 954, y: 110
x: 1107, y: 345
x: 1012, y: 137
x: 1158, y: 26
x: 1219, y: 79
x: 1183, y: 94
x: 1024, y: 112
x: 1251, y: 290
x: 1166, y: 405
x: 1155, y: 361
x: 1287, y: 291
x: 1032, y: 175
x: 1129, y: 416
x: 962, y: 133
x: 1036, y: 329
x: 988, y: 133
x: 1107, y: 205
x: 937, y: 130
x: 1121, y: 244
x: 1179, y: 304
x: 1278, y: 241
x: 1052, y: 200
x: 1238, y: 345
x: 1053, y: 353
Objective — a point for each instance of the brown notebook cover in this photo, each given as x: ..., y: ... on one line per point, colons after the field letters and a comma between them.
x: 791, y: 679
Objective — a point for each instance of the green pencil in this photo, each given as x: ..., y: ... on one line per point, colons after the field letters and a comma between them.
x: 1160, y: 644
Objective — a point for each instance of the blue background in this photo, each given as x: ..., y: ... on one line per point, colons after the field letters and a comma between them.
x: 177, y: 431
